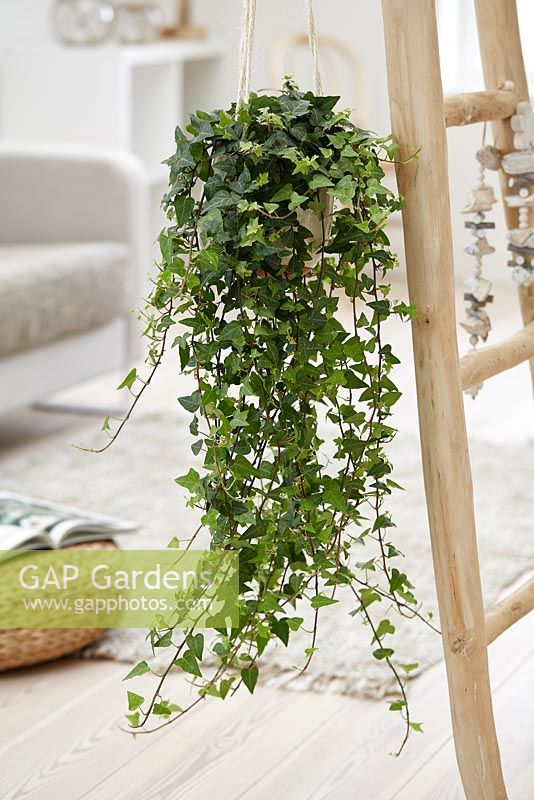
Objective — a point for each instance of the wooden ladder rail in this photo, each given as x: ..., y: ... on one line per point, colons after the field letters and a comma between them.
x: 478, y: 366
x: 418, y: 124
x: 510, y: 610
x: 472, y: 107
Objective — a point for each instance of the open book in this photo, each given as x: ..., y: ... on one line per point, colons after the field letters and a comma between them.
x: 30, y: 524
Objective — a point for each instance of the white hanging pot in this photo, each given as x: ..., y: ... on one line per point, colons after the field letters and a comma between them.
x: 320, y: 226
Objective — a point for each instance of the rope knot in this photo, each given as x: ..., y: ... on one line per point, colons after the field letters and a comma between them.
x: 248, y: 23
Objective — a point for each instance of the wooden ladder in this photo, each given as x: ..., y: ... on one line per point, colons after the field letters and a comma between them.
x: 419, y: 116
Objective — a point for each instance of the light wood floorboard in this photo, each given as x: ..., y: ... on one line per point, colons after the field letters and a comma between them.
x: 66, y: 742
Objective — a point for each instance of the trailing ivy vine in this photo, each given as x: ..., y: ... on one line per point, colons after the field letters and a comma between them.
x: 257, y: 300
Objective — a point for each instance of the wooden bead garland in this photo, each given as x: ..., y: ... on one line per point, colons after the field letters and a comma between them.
x: 480, y: 200
x: 519, y: 166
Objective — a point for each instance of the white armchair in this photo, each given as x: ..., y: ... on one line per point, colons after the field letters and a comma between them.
x: 74, y: 256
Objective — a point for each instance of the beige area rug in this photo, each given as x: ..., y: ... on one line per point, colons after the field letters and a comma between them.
x: 134, y: 479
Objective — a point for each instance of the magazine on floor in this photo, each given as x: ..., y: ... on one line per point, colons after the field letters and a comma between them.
x: 27, y: 523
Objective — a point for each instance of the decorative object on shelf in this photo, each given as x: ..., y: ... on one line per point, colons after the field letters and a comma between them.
x: 519, y: 166
x: 138, y: 23
x: 481, y: 199
x: 184, y: 28
x: 83, y: 21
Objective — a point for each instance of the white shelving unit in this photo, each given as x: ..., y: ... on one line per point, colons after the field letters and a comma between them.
x: 126, y: 96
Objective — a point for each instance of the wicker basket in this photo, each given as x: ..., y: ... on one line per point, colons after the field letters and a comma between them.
x: 21, y: 647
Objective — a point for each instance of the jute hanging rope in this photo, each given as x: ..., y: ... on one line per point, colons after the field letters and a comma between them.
x: 312, y: 38
x: 245, y: 50
x: 248, y: 25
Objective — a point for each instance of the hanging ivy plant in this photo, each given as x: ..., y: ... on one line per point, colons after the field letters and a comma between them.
x: 255, y: 264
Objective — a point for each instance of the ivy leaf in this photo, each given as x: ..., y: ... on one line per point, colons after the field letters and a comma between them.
x: 190, y: 402
x: 397, y: 580
x: 416, y: 726
x: 239, y: 420
x: 249, y: 676
x: 225, y: 119
x: 135, y: 701
x: 221, y: 199
x: 349, y: 152
x: 165, y: 708
x: 190, y: 480
x: 196, y: 644
x: 232, y: 332
x: 165, y: 640
x: 165, y: 246
x: 242, y: 468
x: 161, y: 710
x: 345, y: 189
x: 253, y: 233
x: 282, y: 194
x: 383, y: 652
x: 320, y: 181
x: 140, y: 669
x: 409, y: 667
x: 333, y: 495
x: 188, y: 663
x: 368, y: 596
x: 321, y: 600
x: 295, y: 623
x: 384, y: 628
x: 296, y: 200
x: 280, y: 628
x: 383, y: 521
x: 183, y: 207
x: 213, y: 223
x: 207, y: 259
x: 380, y: 306
x: 390, y: 398
x: 129, y: 380
x: 295, y: 108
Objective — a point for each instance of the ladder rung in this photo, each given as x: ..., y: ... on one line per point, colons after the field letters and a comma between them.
x: 465, y: 109
x: 510, y: 610
x: 478, y: 366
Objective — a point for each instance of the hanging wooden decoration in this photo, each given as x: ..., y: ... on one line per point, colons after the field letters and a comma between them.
x: 519, y: 165
x: 481, y: 199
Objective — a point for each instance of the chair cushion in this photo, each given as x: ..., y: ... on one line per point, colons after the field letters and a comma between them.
x: 50, y: 291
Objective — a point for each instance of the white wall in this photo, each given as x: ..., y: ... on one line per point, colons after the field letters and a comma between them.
x: 357, y: 23
x: 23, y: 20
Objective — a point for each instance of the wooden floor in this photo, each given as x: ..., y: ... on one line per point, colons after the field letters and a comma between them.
x: 60, y: 739
x: 59, y: 724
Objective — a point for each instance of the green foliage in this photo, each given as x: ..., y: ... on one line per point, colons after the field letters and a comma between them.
x: 127, y: 383
x: 139, y: 669
x: 135, y: 701
x: 257, y: 300
x: 249, y: 676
